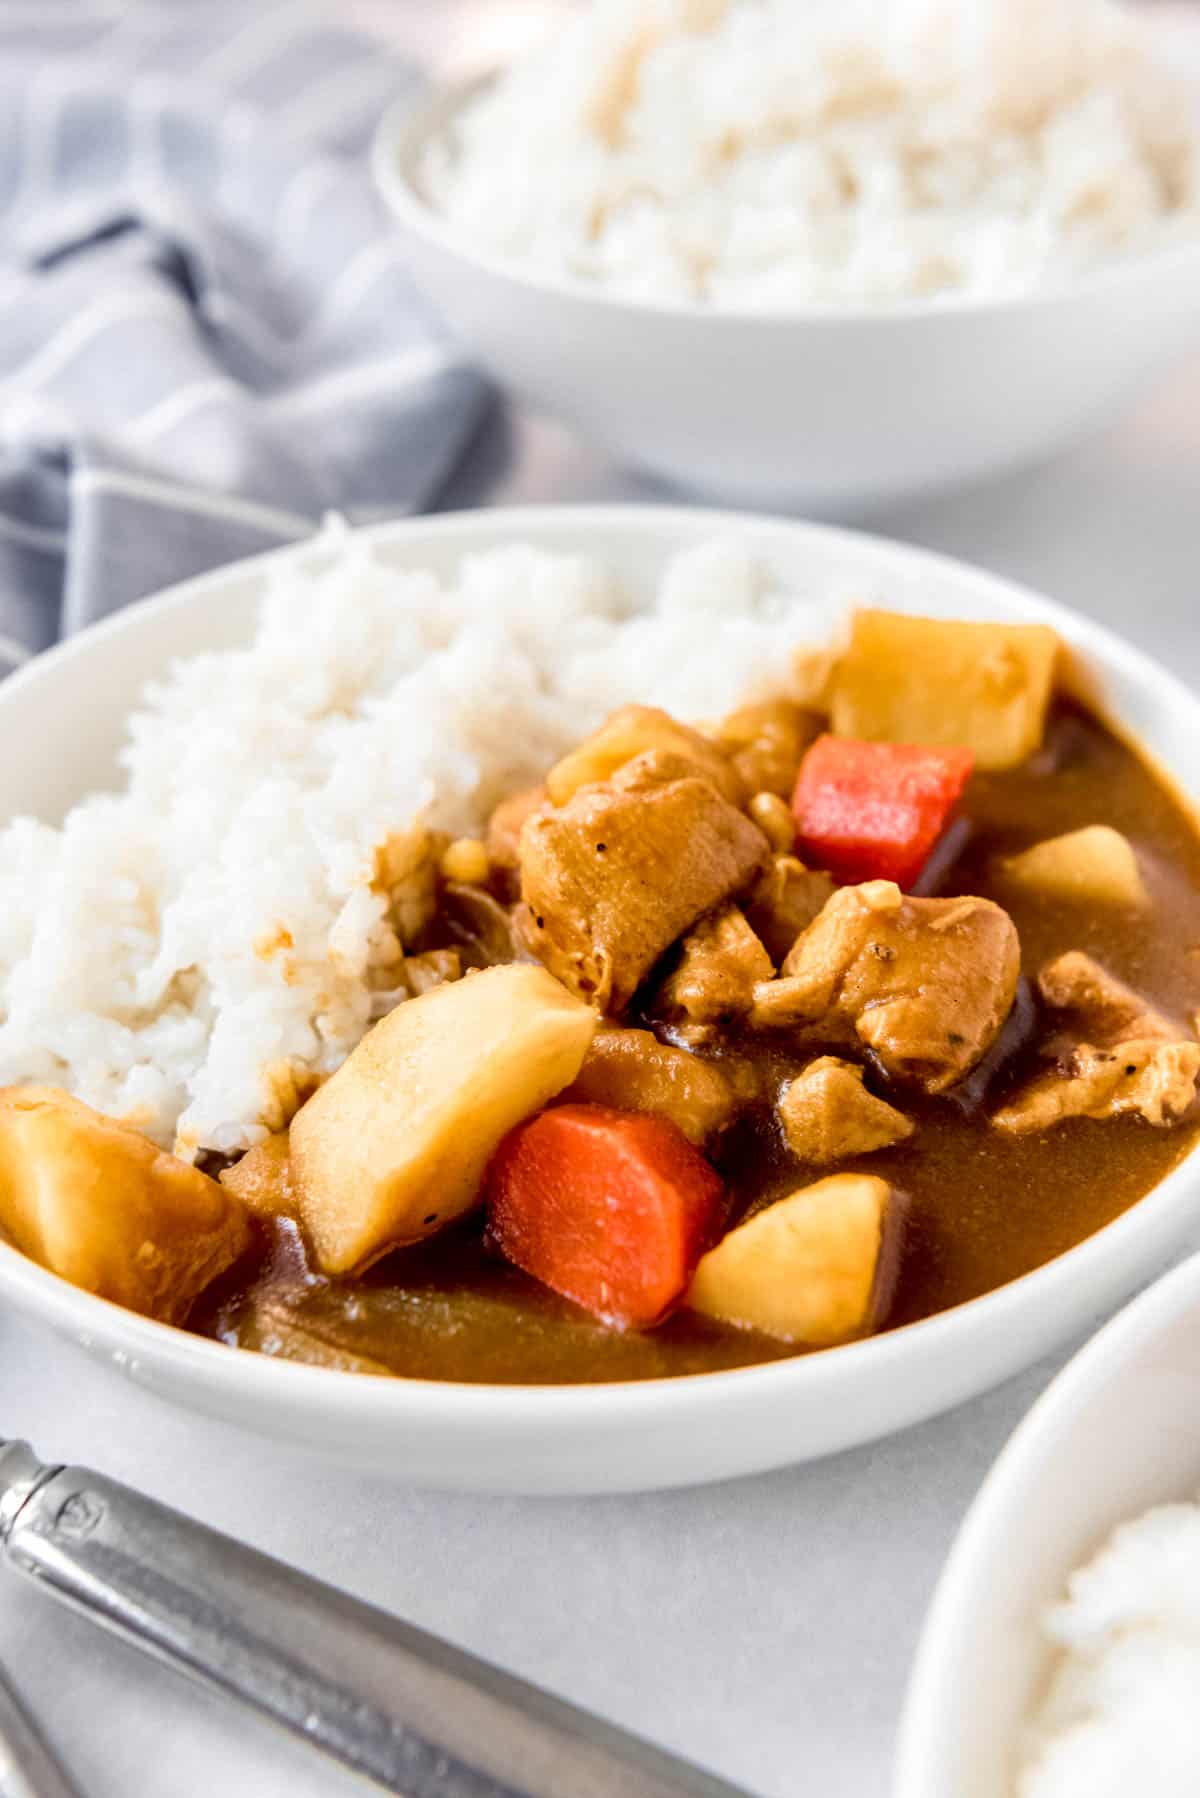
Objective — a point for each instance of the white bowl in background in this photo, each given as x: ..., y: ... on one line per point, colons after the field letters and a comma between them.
x: 73, y: 703
x: 1117, y: 1432
x: 833, y: 409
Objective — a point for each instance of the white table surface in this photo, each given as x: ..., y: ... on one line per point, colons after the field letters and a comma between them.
x: 764, y: 1627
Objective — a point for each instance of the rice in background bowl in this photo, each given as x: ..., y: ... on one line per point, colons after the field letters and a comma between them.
x: 196, y: 952
x: 767, y: 154
x: 1120, y: 1716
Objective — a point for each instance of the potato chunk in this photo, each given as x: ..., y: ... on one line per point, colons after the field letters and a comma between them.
x: 816, y: 1267
x: 632, y: 731
x: 1096, y: 866
x: 983, y: 687
x: 100, y: 1205
x: 393, y: 1147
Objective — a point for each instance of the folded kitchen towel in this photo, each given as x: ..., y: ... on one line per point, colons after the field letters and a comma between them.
x: 207, y: 336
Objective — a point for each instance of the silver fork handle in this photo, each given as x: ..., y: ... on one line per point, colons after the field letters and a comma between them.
x: 416, y: 1715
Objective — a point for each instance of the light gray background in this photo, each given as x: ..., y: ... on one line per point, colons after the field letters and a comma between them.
x: 764, y: 1627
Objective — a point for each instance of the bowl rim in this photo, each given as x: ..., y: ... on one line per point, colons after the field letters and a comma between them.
x: 1010, y: 1477
x: 384, y: 1396
x: 406, y: 127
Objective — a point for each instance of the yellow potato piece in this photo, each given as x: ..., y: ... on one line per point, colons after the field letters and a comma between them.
x: 97, y: 1203
x: 394, y: 1145
x: 1095, y: 865
x: 806, y: 1269
x: 630, y: 732
x: 977, y: 686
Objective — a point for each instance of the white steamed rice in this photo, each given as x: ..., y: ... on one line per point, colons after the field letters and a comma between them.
x: 777, y: 153
x: 1121, y: 1717
x: 143, y: 964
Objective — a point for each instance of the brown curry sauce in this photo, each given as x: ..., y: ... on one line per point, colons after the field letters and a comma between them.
x: 983, y: 1206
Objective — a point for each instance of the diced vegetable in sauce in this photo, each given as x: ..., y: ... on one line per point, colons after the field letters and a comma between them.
x: 873, y: 811
x: 394, y: 1145
x: 814, y: 1268
x: 610, y: 1209
x: 95, y: 1202
x: 633, y: 731
x: 1094, y: 866
x: 982, y: 687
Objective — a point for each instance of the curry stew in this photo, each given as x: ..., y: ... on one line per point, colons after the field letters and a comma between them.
x: 727, y: 1043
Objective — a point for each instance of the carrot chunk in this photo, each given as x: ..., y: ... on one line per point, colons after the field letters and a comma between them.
x: 609, y: 1208
x: 873, y: 811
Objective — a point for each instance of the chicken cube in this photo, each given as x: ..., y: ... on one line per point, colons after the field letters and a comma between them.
x: 784, y: 901
x: 1116, y: 1055
x: 610, y: 880
x: 262, y: 1180
x: 765, y: 743
x: 503, y: 836
x: 393, y: 1147
x: 1098, y: 1005
x: 721, y: 963
x: 630, y: 1070
x: 925, y: 983
x: 827, y: 1114
x: 983, y: 687
x: 817, y: 1267
x: 101, y: 1206
x: 629, y: 732
x: 1146, y: 1078
x: 1094, y: 866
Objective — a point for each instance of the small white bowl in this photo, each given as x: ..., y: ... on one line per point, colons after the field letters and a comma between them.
x: 1116, y: 1433
x: 833, y: 409
x: 73, y: 703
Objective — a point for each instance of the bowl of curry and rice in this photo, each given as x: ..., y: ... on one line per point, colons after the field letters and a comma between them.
x: 592, y: 999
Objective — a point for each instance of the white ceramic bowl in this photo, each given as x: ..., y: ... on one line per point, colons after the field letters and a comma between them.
x: 72, y: 703
x: 1117, y: 1432
x: 835, y: 410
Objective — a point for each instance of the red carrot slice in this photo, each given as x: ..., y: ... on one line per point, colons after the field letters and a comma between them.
x: 873, y: 811
x: 610, y: 1208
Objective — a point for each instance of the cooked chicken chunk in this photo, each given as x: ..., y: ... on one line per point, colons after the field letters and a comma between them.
x: 765, y: 743
x: 635, y: 730
x: 925, y: 983
x: 98, y: 1204
x: 632, y: 1071
x: 1098, y: 1005
x: 503, y: 837
x: 1126, y: 1056
x: 1155, y: 1080
x: 784, y: 901
x: 827, y: 1114
x: 721, y: 963
x: 615, y: 876
x: 262, y: 1179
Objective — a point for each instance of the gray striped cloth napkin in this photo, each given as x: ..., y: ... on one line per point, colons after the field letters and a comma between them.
x: 207, y: 336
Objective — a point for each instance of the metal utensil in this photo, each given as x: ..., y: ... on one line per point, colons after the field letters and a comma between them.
x: 27, y: 1767
x: 409, y: 1711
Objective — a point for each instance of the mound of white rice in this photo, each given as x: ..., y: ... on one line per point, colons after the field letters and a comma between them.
x: 184, y: 952
x: 1121, y: 1717
x: 777, y: 153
